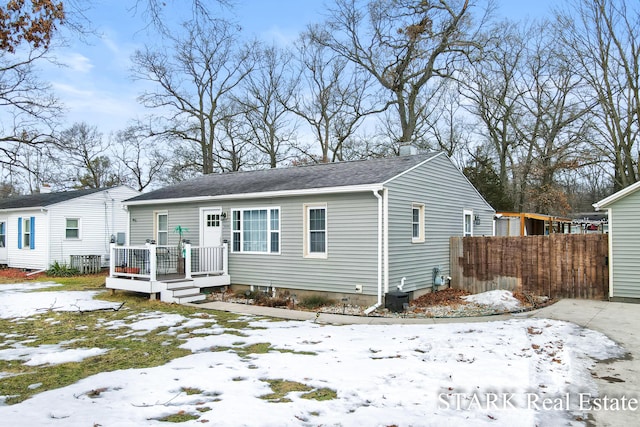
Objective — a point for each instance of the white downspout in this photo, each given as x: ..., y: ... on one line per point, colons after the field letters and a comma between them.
x: 380, y: 247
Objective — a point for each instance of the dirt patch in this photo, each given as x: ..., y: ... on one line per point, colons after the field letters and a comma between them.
x: 443, y: 303
x: 17, y: 274
x: 442, y: 297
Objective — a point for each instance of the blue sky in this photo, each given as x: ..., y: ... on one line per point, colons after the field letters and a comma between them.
x: 96, y: 86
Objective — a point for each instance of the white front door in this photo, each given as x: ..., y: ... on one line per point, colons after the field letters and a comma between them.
x: 208, y: 258
x: 211, y: 227
x: 3, y: 240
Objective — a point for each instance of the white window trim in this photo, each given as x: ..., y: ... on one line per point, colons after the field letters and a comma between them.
x: 306, y: 233
x: 156, y: 214
x: 241, y: 231
x: 26, y: 231
x: 79, y: 228
x: 420, y: 238
x: 466, y: 213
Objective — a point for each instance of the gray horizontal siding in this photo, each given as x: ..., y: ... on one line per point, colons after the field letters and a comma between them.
x: 445, y: 193
x: 351, y: 235
x: 625, y: 246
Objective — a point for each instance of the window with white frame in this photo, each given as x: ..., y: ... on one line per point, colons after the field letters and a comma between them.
x: 26, y: 233
x: 468, y: 223
x: 256, y: 230
x: 315, y: 233
x: 72, y: 228
x: 3, y: 234
x: 162, y: 228
x: 417, y: 223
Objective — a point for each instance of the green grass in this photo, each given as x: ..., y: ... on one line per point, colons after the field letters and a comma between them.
x: 126, y: 350
x: 87, y: 330
x: 281, y: 388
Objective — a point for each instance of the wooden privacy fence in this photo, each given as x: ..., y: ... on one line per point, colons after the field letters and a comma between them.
x: 558, y: 265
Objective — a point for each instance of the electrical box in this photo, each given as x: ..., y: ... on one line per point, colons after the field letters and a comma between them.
x: 121, y: 239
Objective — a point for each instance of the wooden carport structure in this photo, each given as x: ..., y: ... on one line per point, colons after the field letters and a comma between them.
x: 530, y: 224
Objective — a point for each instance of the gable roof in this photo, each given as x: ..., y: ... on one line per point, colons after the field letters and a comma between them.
x: 44, y: 199
x: 318, y: 176
x: 616, y: 196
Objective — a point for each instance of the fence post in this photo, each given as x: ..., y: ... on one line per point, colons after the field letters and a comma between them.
x: 187, y: 260
x: 153, y: 261
x: 112, y: 259
x: 225, y: 258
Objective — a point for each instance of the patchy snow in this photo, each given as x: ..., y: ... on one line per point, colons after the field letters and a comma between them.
x: 17, y: 300
x: 427, y: 375
x: 52, y: 354
x: 499, y: 300
x: 64, y: 356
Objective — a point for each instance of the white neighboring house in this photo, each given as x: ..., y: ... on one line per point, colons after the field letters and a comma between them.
x: 39, y: 229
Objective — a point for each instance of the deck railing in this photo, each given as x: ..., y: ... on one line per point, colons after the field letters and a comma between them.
x: 150, y: 261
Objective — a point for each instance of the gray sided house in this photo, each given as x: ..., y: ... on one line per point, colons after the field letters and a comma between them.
x: 358, y: 228
x: 41, y: 229
x: 624, y: 242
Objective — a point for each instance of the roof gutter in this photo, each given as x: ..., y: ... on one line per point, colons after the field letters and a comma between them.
x: 262, y: 195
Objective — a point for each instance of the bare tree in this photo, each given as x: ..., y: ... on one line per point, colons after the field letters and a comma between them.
x: 267, y: 92
x: 333, y: 97
x: 139, y: 157
x: 492, y: 89
x: 555, y: 126
x: 405, y: 45
x: 192, y: 82
x: 603, y: 37
x: 86, y: 162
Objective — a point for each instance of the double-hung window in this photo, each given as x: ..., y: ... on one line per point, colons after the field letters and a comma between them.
x: 3, y: 234
x: 315, y: 233
x: 72, y: 228
x: 256, y: 230
x: 417, y: 223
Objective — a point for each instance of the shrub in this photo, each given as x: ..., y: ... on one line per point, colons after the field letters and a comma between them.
x: 315, y: 301
x: 61, y: 270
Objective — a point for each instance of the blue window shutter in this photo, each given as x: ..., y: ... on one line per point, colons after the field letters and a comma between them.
x: 19, y: 232
x: 32, y: 237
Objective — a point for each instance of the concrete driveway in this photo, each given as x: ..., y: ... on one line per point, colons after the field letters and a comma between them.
x: 615, y: 378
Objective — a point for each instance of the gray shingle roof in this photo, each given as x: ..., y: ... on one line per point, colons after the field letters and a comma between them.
x: 362, y: 172
x: 43, y: 199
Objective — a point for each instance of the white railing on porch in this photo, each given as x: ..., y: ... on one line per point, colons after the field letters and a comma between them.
x: 150, y: 261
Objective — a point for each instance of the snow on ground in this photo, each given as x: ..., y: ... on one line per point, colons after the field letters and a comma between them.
x: 19, y: 301
x: 494, y: 373
x: 500, y: 300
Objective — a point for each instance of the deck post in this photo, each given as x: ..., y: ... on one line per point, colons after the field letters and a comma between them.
x: 153, y: 261
x: 112, y: 259
x: 187, y: 260
x: 225, y: 258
